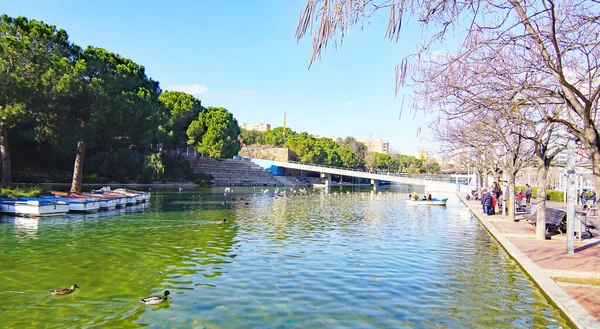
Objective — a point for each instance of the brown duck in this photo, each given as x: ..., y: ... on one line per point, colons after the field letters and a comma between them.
x: 64, y: 291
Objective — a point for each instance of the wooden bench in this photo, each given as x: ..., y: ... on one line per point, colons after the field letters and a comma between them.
x: 556, y: 220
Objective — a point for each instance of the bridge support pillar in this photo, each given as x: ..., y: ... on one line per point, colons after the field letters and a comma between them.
x: 374, y: 183
x: 327, y: 179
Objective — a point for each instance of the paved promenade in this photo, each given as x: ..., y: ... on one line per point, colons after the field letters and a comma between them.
x: 571, y: 281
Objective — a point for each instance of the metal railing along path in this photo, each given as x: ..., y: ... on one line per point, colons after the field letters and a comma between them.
x: 430, y: 183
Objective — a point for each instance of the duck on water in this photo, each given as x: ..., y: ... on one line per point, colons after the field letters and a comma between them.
x: 64, y: 291
x: 152, y: 300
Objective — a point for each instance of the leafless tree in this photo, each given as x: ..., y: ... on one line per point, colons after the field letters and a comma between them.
x: 496, y: 78
x: 497, y: 142
x: 558, y: 39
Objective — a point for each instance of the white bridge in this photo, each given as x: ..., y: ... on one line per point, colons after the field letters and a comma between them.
x: 438, y: 183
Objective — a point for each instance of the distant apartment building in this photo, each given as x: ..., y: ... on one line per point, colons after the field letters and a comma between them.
x: 379, y: 146
x: 259, y: 126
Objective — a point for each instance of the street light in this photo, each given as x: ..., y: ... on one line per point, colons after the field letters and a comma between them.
x: 571, y: 198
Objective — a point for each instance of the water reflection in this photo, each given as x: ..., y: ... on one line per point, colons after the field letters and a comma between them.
x: 293, y: 260
x: 26, y: 227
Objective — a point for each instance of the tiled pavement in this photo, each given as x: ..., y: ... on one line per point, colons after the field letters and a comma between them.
x: 577, y: 275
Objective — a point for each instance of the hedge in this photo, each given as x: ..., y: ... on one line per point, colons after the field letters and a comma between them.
x: 554, y: 195
x: 551, y: 195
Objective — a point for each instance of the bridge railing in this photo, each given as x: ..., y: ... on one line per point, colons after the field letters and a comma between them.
x: 432, y: 177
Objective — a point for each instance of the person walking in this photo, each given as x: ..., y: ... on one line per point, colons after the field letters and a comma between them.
x: 527, y: 193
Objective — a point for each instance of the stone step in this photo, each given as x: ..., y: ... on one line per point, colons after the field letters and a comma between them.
x: 233, y: 172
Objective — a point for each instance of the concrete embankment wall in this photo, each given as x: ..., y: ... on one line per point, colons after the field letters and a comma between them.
x: 575, y: 312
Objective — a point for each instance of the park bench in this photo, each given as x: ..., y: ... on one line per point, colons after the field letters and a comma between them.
x: 556, y: 220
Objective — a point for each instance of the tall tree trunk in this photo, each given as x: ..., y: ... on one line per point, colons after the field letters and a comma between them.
x: 591, y: 143
x: 479, y: 182
x: 5, y: 155
x: 540, y: 219
x: 595, y: 160
x: 78, y: 168
x: 511, y: 197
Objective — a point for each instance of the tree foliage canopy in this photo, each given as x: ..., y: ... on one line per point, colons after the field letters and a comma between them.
x: 215, y: 133
x: 277, y: 137
x: 253, y: 136
x: 29, y: 51
x: 182, y: 109
x: 75, y: 101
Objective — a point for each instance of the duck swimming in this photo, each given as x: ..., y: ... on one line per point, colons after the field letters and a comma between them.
x: 64, y: 291
x: 155, y: 299
x: 220, y: 221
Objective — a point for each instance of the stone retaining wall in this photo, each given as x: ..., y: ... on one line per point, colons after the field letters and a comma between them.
x: 266, y: 152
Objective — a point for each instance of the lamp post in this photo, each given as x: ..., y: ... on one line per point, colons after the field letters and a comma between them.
x: 571, y: 194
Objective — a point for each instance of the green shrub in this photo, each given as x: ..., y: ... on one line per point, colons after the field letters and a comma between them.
x: 58, y: 176
x: 551, y: 195
x: 554, y: 195
x: 24, y: 177
x: 154, y: 167
x: 176, y: 168
x: 143, y: 179
x: 13, y: 193
x: 94, y: 178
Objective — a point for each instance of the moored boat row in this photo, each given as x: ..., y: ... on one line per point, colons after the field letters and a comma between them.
x: 61, y: 202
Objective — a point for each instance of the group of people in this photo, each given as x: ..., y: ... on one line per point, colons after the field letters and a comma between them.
x: 490, y: 198
x: 525, y: 195
x: 495, y: 197
x: 415, y: 196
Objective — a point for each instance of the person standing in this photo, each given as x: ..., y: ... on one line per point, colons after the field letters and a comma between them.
x: 583, y: 198
x: 486, y: 201
x: 496, y: 193
x: 484, y: 195
x: 527, y: 193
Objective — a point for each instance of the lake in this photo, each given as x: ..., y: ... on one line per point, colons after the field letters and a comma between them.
x: 343, y: 259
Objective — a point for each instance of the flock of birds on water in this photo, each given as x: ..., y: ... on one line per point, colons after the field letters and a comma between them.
x: 151, y: 300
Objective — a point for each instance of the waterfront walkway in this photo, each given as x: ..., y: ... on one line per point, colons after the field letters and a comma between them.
x: 571, y: 281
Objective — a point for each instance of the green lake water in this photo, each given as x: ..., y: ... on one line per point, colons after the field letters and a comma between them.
x: 317, y: 260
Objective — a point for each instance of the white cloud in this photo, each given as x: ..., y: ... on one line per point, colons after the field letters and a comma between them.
x: 195, y: 90
x: 350, y: 103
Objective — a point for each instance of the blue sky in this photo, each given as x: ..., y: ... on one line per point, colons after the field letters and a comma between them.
x: 243, y: 55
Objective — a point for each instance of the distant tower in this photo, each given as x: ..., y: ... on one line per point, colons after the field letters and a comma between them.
x: 284, y: 113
